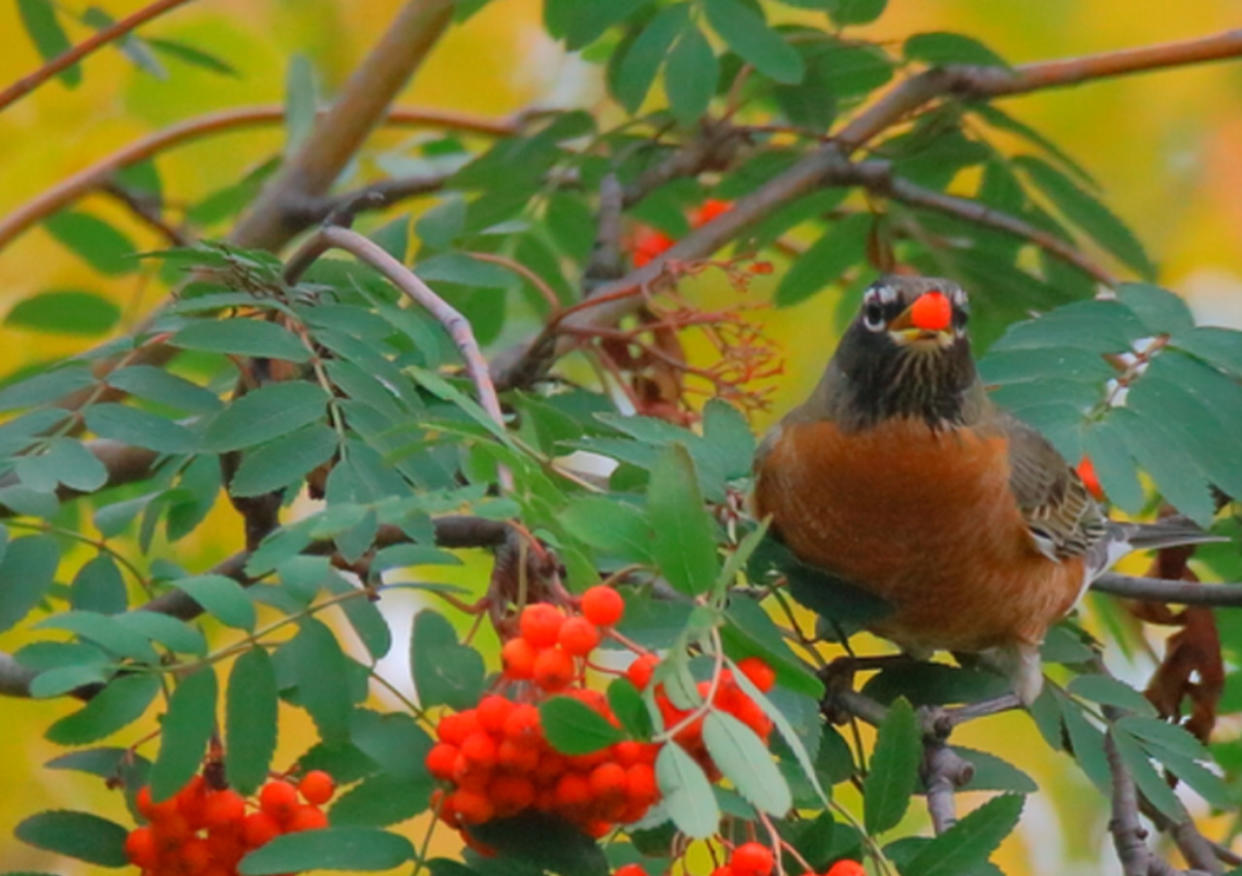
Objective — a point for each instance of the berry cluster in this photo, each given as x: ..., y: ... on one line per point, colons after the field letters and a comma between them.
x: 753, y: 859
x: 647, y: 242
x: 205, y: 831
x: 496, y: 758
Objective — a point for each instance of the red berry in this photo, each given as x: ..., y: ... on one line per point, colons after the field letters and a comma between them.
x: 317, y: 787
x: 191, y: 799
x: 752, y: 859
x: 142, y: 802
x: 223, y: 809
x: 1090, y: 480
x: 194, y: 856
x: 846, y: 867
x: 516, y: 757
x: 522, y: 724
x: 709, y: 210
x: 454, y: 728
x: 511, y: 794
x: 472, y: 807
x: 493, y: 711
x: 649, y: 243
x: 726, y: 870
x: 540, y: 624
x: 278, y: 799
x: 640, y: 784
x: 640, y: 671
x: 518, y: 656
x: 629, y: 870
x: 479, y: 750
x: 306, y: 817
x: 608, y: 780
x: 602, y: 605
x: 140, y: 847
x: 760, y: 674
x: 554, y: 669
x: 573, y: 791
x: 578, y: 636
x: 440, y: 760
x: 931, y: 311
x: 258, y: 829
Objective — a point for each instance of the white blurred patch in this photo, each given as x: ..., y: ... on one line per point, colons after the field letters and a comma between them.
x: 1214, y: 296
x: 559, y: 79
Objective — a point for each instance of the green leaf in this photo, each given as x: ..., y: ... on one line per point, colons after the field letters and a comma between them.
x: 994, y: 774
x: 301, y: 98
x: 616, y: 528
x: 44, y: 386
x: 1159, y: 309
x: 456, y: 267
x: 26, y: 570
x: 746, y: 762
x: 250, y: 723
x: 746, y: 33
x: 1111, y: 692
x: 55, y: 682
x: 1086, y: 212
x: 1159, y: 734
x: 684, y: 542
x: 97, y: 587
x: 322, y: 677
x: 534, y: 843
x: 591, y: 18
x: 191, y: 55
x: 221, y: 597
x: 444, y: 672
x: 186, y: 728
x: 393, y: 741
x: 382, y: 800
x: 157, y: 385
x: 855, y: 11
x: 1105, y: 444
x: 120, y: 703
x: 269, y: 412
x: 573, y: 727
x: 839, y: 248
x: 690, y: 76
x: 106, y: 631
x: 366, y: 619
x: 687, y: 794
x: 44, y: 30
x: 335, y: 848
x: 94, y: 241
x: 241, y: 337
x: 284, y: 460
x: 940, y: 48
x: 628, y: 707
x: 1149, y: 782
x: 74, y: 465
x: 894, y: 768
x: 66, y: 312
x: 168, y: 631
x: 726, y: 431
x: 131, y: 425
x: 969, y: 843
x: 637, y: 69
x: 79, y: 835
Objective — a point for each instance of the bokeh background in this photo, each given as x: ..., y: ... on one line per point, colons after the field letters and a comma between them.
x: 1166, y: 148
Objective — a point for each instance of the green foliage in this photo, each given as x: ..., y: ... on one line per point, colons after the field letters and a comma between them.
x: 76, y: 834
x: 336, y: 848
x: 572, y: 727
x: 894, y: 768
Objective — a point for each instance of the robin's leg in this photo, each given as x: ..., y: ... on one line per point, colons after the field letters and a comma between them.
x: 1019, y: 661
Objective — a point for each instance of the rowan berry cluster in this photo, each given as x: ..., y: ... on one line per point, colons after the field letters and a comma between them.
x: 496, y: 758
x: 205, y: 831
x: 754, y: 859
x: 648, y: 242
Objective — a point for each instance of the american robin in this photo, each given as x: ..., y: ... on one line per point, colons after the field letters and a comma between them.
x: 899, y: 475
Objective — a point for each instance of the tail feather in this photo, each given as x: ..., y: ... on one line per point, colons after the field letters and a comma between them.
x: 1124, y: 538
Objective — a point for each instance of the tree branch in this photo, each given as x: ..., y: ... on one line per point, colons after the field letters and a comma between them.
x: 339, y: 132
x: 340, y: 209
x: 68, y: 58
x: 1164, y: 590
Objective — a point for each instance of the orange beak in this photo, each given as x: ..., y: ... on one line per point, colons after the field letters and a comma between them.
x: 931, y: 311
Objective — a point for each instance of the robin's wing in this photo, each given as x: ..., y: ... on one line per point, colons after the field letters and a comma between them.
x: 1063, y: 519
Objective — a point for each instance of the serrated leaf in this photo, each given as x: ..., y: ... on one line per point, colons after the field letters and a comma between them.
x: 382, y: 800
x: 684, y: 543
x: 42, y: 26
x: 120, y: 703
x: 284, y: 460
x: 322, y: 678
x: 1159, y: 734
x: 894, y: 768
x: 614, y: 527
x: 1105, y: 445
x: 174, y: 634
x: 269, y: 412
x: 690, y: 76
x: 994, y: 774
x: 366, y: 619
x: 157, y: 385
x: 131, y: 425
x: 66, y: 312
x: 222, y: 598
x: 573, y: 727
x: 26, y: 570
x: 444, y: 672
x: 1149, y: 782
x: 250, y: 728
x: 841, y: 246
x: 393, y: 741
x: 459, y: 268
x: 79, y: 835
x: 746, y: 762
x: 746, y: 33
x: 969, y: 843
x: 43, y: 387
x: 1160, y: 310
x: 241, y: 337
x: 940, y: 48
x: 855, y: 11
x: 334, y: 848
x: 1111, y: 692
x: 61, y: 680
x: 186, y: 728
x: 94, y: 241
x: 104, y: 630
x: 628, y: 707
x: 687, y: 794
x: 637, y: 69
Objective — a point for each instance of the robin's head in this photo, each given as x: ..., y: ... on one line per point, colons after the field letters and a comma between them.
x: 906, y: 354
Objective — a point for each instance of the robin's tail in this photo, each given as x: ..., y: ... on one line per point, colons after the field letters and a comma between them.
x: 1124, y: 538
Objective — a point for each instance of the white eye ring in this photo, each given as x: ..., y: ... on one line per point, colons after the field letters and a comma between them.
x: 873, y: 312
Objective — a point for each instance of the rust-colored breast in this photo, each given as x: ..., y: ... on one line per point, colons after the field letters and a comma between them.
x: 923, y: 519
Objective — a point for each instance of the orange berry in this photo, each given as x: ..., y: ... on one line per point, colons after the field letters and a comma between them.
x: 278, y: 799
x: 493, y: 710
x: 627, y: 752
x: 648, y: 243
x: 760, y: 267
x: 511, y: 794
x: 608, y: 780
x: 219, y: 869
x: 709, y: 210
x: 195, y: 856
x: 602, y: 605
x: 479, y: 750
x: 516, y: 757
x: 317, y: 787
x: 640, y: 784
x: 140, y: 847
x: 454, y: 728
x: 550, y: 767
x: 258, y: 829
x: 931, y: 311
x: 597, y: 828
x: 307, y: 817
x: 573, y: 790
x: 518, y: 656
x: 522, y: 724
x: 752, y: 859
x: 171, y: 831
x: 629, y: 870
x: 554, y: 669
x: 226, y: 848
x: 846, y: 867
x: 587, y: 762
x: 726, y: 870
x: 440, y: 760
x: 578, y: 636
x: 223, y: 808
x: 472, y: 807
x: 640, y: 671
x: 540, y: 624
x: 1090, y: 480
x: 142, y: 802
x: 191, y: 799
x: 760, y: 674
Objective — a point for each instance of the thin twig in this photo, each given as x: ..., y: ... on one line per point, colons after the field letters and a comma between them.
x: 1165, y: 590
x: 71, y: 56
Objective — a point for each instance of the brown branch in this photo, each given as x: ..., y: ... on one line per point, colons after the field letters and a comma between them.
x: 90, y: 178
x: 341, y: 209
x: 338, y: 133
x: 1164, y: 590
x: 145, y: 209
x: 943, y: 771
x: 71, y: 56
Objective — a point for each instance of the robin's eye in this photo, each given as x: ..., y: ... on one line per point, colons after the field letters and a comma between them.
x: 873, y: 315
